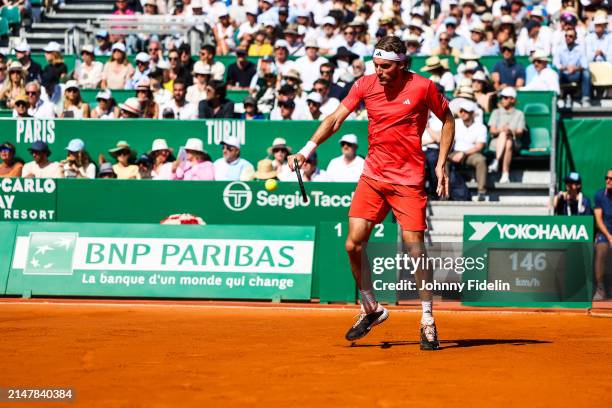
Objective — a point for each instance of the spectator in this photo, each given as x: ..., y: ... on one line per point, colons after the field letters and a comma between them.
x: 348, y: 166
x: 571, y: 62
x: 440, y: 74
x: 603, y: 238
x: 250, y: 27
x: 33, y: 69
x: 14, y: 86
x: 261, y: 46
x: 288, y: 93
x: 3, y: 77
x: 74, y: 107
x: 39, y: 109
x: 413, y: 45
x: 314, y: 100
x: 185, y: 55
x: 328, y: 40
x: 88, y: 72
x: 470, y: 140
x: 469, y: 18
x: 309, y: 65
x: 207, y: 56
x: 292, y: 78
x: 326, y: 71
x: 328, y: 104
x: 56, y: 70
x: 351, y: 43
x: 216, y: 105
x: 106, y: 109
x: 10, y: 167
x: 124, y: 155
x: 78, y: 162
x: 180, y: 107
x: 130, y: 109
x: 508, y: 72
x: 155, y: 53
x: 231, y: 166
x: 144, y: 167
x: 466, y: 94
x: 430, y: 140
x: 572, y: 201
x: 295, y: 46
x: 161, y: 95
x: 599, y: 42
x: 533, y: 40
x: 142, y: 70
x: 118, y: 70
x: 279, y: 151
x: 21, y: 107
x: 456, y: 42
x: 177, y: 71
x: 281, y: 54
x: 41, y: 167
x: 150, y: 108
x: 483, y: 93
x: 103, y: 44
x: 310, y: 171
x: 545, y: 78
x: 241, y: 72
x: 224, y: 33
x: 265, y: 170
x: 201, y: 75
x: 482, y: 45
x: 250, y: 109
x: 196, y: 164
x: 506, y: 127
x: 106, y: 171
x: 161, y: 158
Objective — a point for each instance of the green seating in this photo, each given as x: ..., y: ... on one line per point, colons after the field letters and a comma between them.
x: 120, y: 95
x: 6, y: 113
x: 536, y: 109
x: 4, y: 27
x: 11, y: 14
x: 539, y: 142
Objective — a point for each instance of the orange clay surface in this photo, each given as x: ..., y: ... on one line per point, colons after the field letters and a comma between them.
x: 165, y: 355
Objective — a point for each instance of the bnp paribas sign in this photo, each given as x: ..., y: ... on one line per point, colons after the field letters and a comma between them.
x: 151, y: 260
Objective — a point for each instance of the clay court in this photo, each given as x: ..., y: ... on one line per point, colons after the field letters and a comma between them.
x: 201, y: 355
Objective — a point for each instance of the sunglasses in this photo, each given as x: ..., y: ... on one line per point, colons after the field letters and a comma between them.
x: 153, y: 49
x: 443, y: 39
x: 31, y: 93
x: 123, y: 153
x: 71, y: 90
x: 21, y: 104
x: 173, y: 59
x: 608, y: 178
x: 345, y: 144
x: 325, y: 72
x: 5, y: 150
x: 506, y: 97
x: 279, y: 150
x: 349, y: 32
x: 319, y: 90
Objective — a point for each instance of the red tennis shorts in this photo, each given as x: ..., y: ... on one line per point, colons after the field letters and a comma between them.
x: 373, y: 199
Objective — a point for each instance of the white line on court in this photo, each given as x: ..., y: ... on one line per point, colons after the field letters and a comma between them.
x: 283, y: 308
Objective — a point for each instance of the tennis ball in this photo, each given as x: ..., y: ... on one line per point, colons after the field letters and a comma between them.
x: 271, y: 184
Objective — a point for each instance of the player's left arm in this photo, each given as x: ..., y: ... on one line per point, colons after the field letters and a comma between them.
x: 446, y: 141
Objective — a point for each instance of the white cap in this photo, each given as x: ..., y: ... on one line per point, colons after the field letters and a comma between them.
x: 22, y: 47
x: 131, y: 105
x: 302, y: 13
x: 71, y: 84
x: 479, y: 76
x: 231, y: 141
x: 350, y: 138
x: 599, y: 19
x: 471, y: 65
x: 201, y: 68
x: 315, y: 97
x: 509, y: 92
x: 540, y: 55
x: 143, y: 57
x: 87, y: 48
x: 467, y: 106
x: 163, y: 64
x: 252, y: 10
x: 269, y: 22
x: 105, y: 94
x: 281, y: 44
x: 53, y: 47
x: 311, y: 43
x: 329, y: 20
x: 537, y: 11
x: 118, y: 46
x: 194, y: 144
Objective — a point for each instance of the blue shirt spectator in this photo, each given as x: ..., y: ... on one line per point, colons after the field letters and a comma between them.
x: 509, y: 73
x: 599, y: 42
x: 570, y: 60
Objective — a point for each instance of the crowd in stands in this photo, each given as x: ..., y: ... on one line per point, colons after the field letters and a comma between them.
x: 192, y: 162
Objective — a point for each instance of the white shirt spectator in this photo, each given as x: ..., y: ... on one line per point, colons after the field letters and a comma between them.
x: 42, y: 110
x: 89, y: 77
x: 545, y: 80
x: 594, y: 43
x: 455, y: 104
x: 247, y: 28
x: 358, y: 48
x: 329, y: 43
x: 239, y: 169
x: 525, y: 45
x: 163, y: 173
x: 187, y: 111
x: 309, y: 70
x: 339, y: 170
x: 467, y: 137
x: 218, y: 70
x: 194, y: 95
x: 329, y: 106
x: 51, y: 170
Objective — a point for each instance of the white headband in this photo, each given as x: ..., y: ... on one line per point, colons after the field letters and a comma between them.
x: 388, y: 55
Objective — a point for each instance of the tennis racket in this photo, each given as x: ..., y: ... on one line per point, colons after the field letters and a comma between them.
x: 296, y: 167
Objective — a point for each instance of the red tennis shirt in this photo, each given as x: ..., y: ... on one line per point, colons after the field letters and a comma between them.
x: 397, y: 119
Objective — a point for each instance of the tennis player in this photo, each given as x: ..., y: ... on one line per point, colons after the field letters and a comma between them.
x: 398, y: 103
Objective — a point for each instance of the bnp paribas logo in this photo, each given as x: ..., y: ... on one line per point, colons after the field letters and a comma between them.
x: 50, y: 253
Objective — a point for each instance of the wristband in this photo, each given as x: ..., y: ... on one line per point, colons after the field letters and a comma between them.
x: 308, y: 149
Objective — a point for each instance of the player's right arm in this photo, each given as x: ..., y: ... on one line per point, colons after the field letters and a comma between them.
x: 328, y: 127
